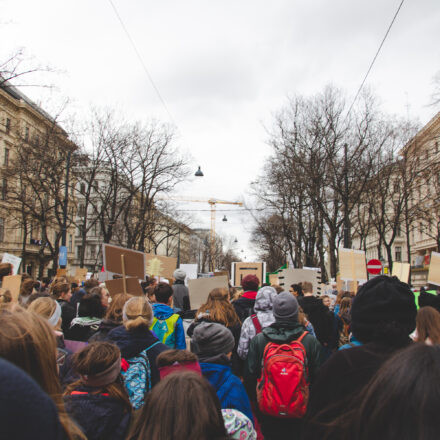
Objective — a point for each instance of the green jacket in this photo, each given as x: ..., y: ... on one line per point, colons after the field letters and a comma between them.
x: 279, y: 333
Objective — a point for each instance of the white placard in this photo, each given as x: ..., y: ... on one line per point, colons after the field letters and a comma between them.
x: 191, y: 271
x: 14, y: 260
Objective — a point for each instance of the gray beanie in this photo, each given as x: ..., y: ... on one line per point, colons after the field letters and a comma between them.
x: 285, y: 307
x: 179, y: 274
x: 212, y: 338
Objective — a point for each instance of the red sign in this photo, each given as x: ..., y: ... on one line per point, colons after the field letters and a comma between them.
x: 374, y: 267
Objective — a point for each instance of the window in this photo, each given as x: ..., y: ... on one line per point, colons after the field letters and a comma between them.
x: 81, y: 210
x: 8, y: 125
x: 82, y: 188
x: 2, y: 229
x: 26, y: 134
x: 79, y: 251
x: 37, y: 140
x: 6, y: 160
x: 70, y: 242
x: 92, y: 251
x: 4, y: 189
x: 398, y: 253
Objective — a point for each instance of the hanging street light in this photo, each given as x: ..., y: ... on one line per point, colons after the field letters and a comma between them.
x: 198, y: 173
x: 225, y: 219
x: 235, y: 241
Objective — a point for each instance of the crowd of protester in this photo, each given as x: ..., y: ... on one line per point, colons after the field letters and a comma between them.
x: 261, y: 362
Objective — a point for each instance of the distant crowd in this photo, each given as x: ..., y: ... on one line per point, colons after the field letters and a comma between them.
x: 255, y: 362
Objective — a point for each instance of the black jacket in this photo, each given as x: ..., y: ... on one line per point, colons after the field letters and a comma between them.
x: 244, y: 307
x: 100, y: 417
x: 68, y: 312
x: 104, y: 329
x: 132, y: 342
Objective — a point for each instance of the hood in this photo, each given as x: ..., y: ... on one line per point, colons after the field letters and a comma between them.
x: 311, y: 304
x: 131, y: 343
x: 264, y: 299
x: 216, y: 374
x: 162, y: 311
x: 283, y: 332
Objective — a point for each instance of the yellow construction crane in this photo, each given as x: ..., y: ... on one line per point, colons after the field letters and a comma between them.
x: 212, y: 203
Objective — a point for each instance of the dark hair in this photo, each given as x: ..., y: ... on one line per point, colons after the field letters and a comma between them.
x: 400, y: 401
x: 297, y: 288
x: 428, y: 325
x: 90, y: 305
x: 95, y: 358
x: 168, y: 357
x: 58, y: 288
x: 163, y: 292
x: 5, y: 270
x: 35, y: 296
x: 195, y: 412
x: 90, y: 284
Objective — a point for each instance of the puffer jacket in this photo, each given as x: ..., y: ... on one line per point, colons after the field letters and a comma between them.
x: 263, y: 310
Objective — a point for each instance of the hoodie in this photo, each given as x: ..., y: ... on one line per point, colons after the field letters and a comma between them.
x: 244, y: 306
x: 229, y: 389
x: 176, y: 339
x: 181, y: 296
x: 263, y: 310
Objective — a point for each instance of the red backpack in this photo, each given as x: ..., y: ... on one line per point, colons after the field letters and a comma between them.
x: 282, y: 390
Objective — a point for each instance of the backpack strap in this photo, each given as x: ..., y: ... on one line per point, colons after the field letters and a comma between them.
x: 152, y: 345
x: 302, y: 336
x: 256, y: 323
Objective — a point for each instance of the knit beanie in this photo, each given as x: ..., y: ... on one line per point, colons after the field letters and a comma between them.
x: 384, y: 311
x: 250, y: 282
x: 179, y: 274
x: 285, y: 307
x: 212, y: 338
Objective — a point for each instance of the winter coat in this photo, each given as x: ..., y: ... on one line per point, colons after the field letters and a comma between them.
x: 83, y: 328
x: 181, y: 296
x: 101, y: 417
x: 263, y: 310
x: 68, y: 313
x: 322, y: 319
x: 339, y: 381
x: 133, y: 342
x: 244, y: 306
x: 229, y: 389
x: 164, y: 312
x: 104, y: 329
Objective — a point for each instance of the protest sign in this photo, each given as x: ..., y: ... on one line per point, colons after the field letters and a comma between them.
x: 240, y: 270
x: 434, y: 269
x: 13, y: 284
x: 116, y: 286
x: 14, y: 260
x: 157, y: 265
x: 191, y: 271
x: 289, y: 276
x: 352, y: 265
x: 199, y: 289
x: 401, y: 271
x: 123, y: 261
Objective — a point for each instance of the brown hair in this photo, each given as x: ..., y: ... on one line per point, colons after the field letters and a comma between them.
x: 278, y: 288
x: 27, y: 341
x: 5, y: 270
x: 59, y: 288
x: 428, y: 325
x: 139, y: 313
x: 90, y: 284
x: 195, y: 412
x: 27, y: 286
x: 150, y: 292
x: 307, y: 287
x: 95, y: 358
x: 345, y: 305
x: 114, y: 311
x: 342, y: 294
x: 167, y: 358
x: 5, y: 298
x: 218, y: 309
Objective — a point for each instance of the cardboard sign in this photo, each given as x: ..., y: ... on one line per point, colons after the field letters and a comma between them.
x: 199, y: 289
x: 14, y: 260
x: 157, y: 265
x: 61, y: 273
x: 273, y: 279
x: 401, y: 271
x: 134, y: 261
x: 287, y: 277
x: 434, y: 269
x: 13, y: 284
x: 221, y: 273
x: 81, y: 273
x: 240, y: 270
x: 352, y: 265
x: 115, y: 287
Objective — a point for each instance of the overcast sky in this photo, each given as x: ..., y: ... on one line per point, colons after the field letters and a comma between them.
x: 223, y: 69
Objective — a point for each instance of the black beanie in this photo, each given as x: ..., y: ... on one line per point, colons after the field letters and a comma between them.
x: 384, y: 310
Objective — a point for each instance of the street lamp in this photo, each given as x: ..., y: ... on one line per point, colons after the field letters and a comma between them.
x: 198, y: 173
x: 236, y: 241
x: 225, y: 219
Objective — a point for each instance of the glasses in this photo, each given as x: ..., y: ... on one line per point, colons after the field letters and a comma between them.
x: 61, y: 356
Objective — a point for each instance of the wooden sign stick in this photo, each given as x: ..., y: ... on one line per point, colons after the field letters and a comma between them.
x: 124, y: 281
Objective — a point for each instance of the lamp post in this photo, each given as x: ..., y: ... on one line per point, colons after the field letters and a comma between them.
x: 62, y: 255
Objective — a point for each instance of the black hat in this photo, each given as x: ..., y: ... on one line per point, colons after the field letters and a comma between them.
x: 384, y: 310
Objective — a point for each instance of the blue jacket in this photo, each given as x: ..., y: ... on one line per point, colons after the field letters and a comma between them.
x: 228, y: 387
x: 162, y: 311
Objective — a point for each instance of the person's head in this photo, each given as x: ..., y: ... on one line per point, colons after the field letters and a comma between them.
x: 345, y: 306
x: 307, y: 287
x: 278, y: 288
x: 163, y: 293
x: 179, y: 275
x: 61, y: 291
x: 114, y: 311
x: 296, y: 290
x: 250, y: 283
x: 99, y: 366
x: 28, y: 341
x: 218, y: 308
x: 90, y: 305
x: 90, y: 284
x: 428, y: 325
x: 326, y: 300
x: 285, y: 308
x: 27, y: 287
x: 150, y: 294
x: 342, y: 294
x: 49, y: 309
x: 5, y: 270
x: 175, y: 361
x: 34, y: 297
x: 5, y: 298
x: 211, y: 339
x: 195, y: 412
x: 264, y: 298
x: 383, y: 311
x: 401, y: 400
x: 102, y: 292
x: 137, y: 314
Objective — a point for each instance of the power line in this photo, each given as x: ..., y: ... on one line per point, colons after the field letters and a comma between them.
x: 133, y: 44
x: 375, y: 57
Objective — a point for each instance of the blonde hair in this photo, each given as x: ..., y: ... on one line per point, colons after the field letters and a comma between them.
x: 137, y: 313
x: 45, y: 307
